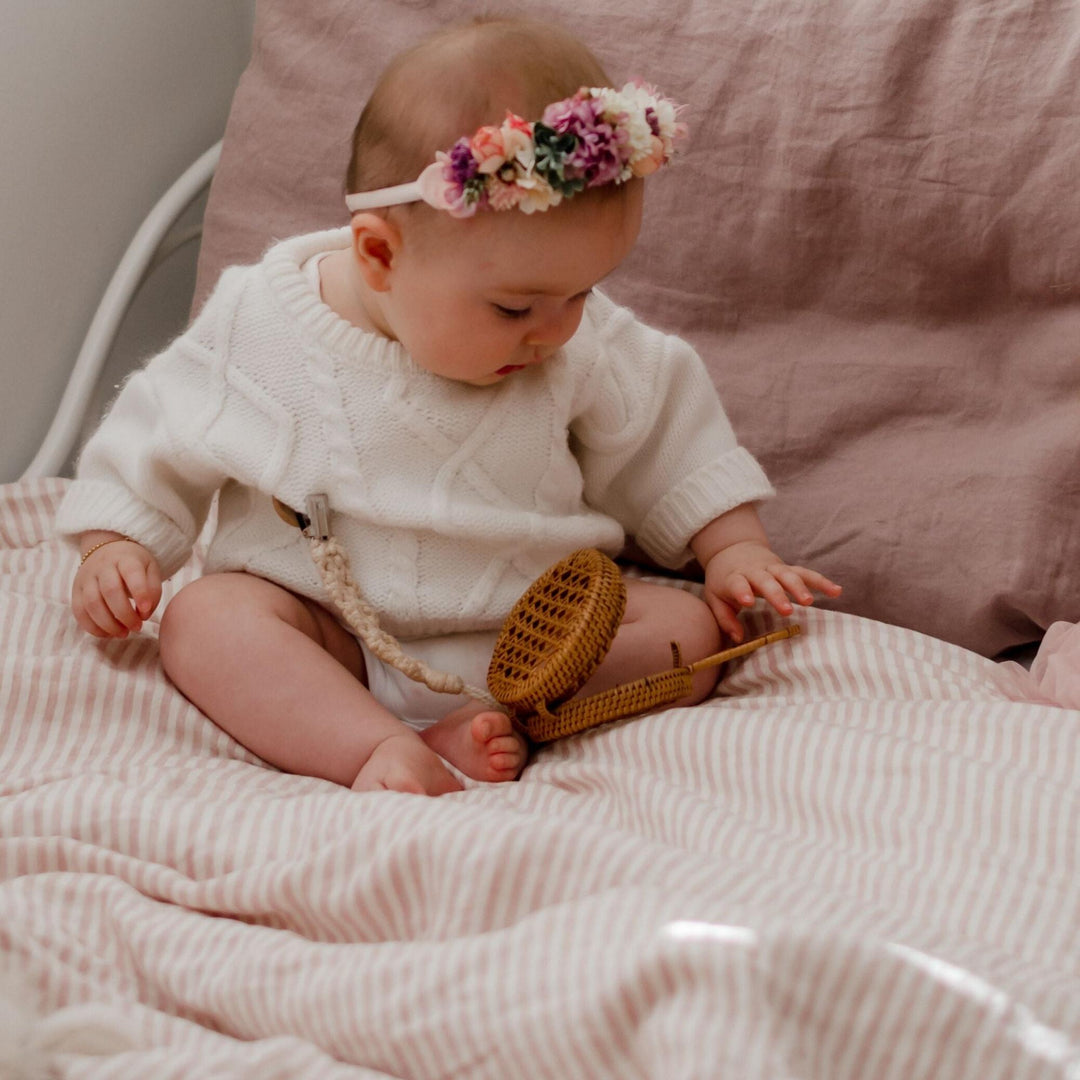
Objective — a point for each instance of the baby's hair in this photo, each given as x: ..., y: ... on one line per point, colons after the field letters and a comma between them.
x: 456, y: 81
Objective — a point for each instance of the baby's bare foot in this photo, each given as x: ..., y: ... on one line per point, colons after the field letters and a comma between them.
x: 403, y: 763
x: 479, y: 741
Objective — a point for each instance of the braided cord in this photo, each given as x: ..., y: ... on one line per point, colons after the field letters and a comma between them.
x: 333, y: 564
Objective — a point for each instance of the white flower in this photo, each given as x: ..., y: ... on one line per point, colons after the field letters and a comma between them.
x: 626, y: 108
x: 537, y: 193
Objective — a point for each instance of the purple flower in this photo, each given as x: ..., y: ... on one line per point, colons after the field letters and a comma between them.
x: 600, y: 149
x: 574, y: 115
x: 597, y: 157
x: 461, y: 166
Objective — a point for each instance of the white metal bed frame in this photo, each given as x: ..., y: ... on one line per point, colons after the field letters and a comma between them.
x: 154, y: 241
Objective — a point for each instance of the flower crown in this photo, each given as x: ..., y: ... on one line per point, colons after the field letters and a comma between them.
x: 599, y: 136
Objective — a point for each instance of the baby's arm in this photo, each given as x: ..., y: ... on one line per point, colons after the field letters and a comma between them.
x: 740, y: 565
x: 117, y: 585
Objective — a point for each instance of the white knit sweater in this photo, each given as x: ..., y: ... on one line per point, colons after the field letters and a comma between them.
x: 450, y: 498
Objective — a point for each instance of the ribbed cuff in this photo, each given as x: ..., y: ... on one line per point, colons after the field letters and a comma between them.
x: 712, y: 490
x: 94, y: 504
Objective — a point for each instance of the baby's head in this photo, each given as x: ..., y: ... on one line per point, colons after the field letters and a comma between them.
x: 481, y: 287
x: 455, y: 82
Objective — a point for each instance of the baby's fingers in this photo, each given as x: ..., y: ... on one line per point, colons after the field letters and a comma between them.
x: 767, y: 586
x: 93, y: 615
x: 821, y: 583
x: 793, y: 585
x: 143, y: 585
x: 799, y: 581
x: 727, y: 617
x: 89, y: 623
x: 118, y: 602
x: 738, y: 590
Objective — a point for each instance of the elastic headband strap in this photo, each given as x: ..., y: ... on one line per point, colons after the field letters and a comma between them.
x: 391, y: 196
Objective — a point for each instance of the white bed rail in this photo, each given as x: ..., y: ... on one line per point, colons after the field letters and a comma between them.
x: 147, y: 249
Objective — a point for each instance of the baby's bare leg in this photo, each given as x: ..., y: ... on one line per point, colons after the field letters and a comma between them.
x: 279, y: 674
x: 657, y: 615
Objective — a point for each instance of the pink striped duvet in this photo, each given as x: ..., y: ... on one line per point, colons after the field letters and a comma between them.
x: 862, y: 861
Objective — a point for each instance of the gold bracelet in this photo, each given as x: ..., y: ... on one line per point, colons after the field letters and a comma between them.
x: 112, y: 540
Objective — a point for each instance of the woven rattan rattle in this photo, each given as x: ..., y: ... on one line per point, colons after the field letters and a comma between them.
x: 554, y: 638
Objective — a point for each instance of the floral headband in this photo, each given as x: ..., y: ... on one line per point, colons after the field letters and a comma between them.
x: 598, y: 136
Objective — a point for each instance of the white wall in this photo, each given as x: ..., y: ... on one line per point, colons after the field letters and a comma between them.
x: 102, y: 104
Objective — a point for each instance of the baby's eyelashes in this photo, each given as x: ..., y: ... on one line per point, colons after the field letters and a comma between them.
x: 520, y: 313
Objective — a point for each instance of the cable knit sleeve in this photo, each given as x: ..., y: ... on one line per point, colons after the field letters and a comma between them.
x: 149, y: 471
x: 656, y: 449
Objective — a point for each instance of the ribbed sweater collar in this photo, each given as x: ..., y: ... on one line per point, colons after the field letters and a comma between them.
x: 314, y: 320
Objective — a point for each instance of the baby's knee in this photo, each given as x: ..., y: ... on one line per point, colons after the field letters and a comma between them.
x: 671, y: 615
x: 698, y: 636
x: 192, y: 618
x: 699, y: 633
x: 682, y: 617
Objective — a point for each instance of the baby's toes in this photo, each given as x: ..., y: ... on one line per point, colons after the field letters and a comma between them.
x: 486, y: 726
x: 507, y: 753
x: 504, y: 748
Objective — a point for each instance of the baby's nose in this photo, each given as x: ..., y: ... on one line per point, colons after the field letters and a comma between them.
x: 554, y: 332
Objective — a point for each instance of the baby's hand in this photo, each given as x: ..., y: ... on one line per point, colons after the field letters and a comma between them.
x: 115, y: 589
x: 737, y: 574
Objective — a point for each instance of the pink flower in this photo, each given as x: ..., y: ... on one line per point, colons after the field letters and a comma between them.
x: 439, y: 189
x: 503, y: 196
x: 517, y: 123
x: 651, y: 160
x: 488, y: 148
x: 517, y: 139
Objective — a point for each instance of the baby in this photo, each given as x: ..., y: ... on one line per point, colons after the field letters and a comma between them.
x: 447, y: 373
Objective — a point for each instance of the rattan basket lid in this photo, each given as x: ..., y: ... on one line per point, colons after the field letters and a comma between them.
x: 558, y: 632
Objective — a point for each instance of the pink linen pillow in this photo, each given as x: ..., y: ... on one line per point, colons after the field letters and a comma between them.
x: 871, y: 239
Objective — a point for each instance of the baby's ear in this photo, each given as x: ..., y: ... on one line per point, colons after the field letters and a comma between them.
x: 376, y: 243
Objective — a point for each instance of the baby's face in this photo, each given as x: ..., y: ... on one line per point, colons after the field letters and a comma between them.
x: 480, y: 299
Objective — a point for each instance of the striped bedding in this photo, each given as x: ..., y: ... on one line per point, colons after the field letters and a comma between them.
x: 862, y: 860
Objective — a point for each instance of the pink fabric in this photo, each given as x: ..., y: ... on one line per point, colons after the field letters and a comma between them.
x: 1054, y: 675
x: 871, y: 239
x: 862, y: 861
